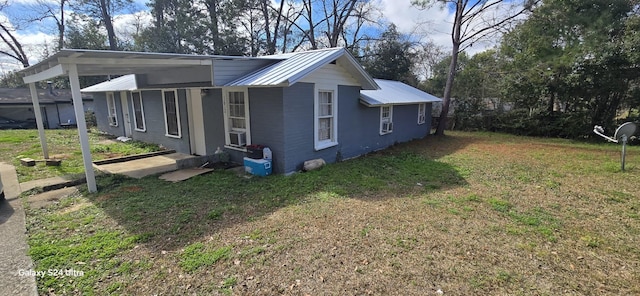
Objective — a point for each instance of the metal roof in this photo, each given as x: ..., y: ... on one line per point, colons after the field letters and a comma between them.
x: 297, y: 65
x: 395, y: 93
x: 122, y: 83
x: 106, y: 62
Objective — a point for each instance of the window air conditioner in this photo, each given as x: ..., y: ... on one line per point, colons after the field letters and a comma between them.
x: 387, y: 127
x: 238, y: 138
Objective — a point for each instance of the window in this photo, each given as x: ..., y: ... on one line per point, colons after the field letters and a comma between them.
x: 386, y: 119
x: 325, y: 120
x: 171, y: 113
x: 138, y: 111
x: 237, y: 119
x: 111, y: 106
x: 422, y: 109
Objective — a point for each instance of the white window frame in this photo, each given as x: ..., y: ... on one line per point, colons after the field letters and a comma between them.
x: 422, y: 113
x: 164, y: 110
x: 112, y: 109
x: 386, y: 119
x: 333, y: 141
x: 227, y: 124
x: 135, y: 119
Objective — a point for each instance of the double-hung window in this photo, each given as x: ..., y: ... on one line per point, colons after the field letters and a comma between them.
x: 386, y: 119
x: 237, y: 119
x: 138, y: 118
x: 111, y: 107
x: 325, y: 122
x: 171, y: 113
x: 422, y: 113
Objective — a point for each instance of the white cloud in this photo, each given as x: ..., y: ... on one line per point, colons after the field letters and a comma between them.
x: 433, y: 23
x: 33, y: 44
x: 126, y: 25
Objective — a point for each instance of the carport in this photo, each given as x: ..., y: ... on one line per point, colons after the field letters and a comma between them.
x: 151, y: 69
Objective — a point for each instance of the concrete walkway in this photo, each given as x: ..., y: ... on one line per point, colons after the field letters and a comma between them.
x: 14, y: 261
x: 140, y: 168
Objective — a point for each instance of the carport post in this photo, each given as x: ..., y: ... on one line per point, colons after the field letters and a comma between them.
x: 82, y: 127
x: 38, y: 112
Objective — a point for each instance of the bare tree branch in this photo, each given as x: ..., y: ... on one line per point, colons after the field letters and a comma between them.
x: 15, y: 46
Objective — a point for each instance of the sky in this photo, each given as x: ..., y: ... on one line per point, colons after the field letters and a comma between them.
x: 433, y: 24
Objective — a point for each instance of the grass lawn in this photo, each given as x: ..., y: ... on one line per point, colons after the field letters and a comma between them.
x: 468, y: 214
x: 63, y: 144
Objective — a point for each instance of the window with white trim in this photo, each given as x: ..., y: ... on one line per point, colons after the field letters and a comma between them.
x: 138, y: 111
x: 326, y: 120
x: 171, y: 113
x: 111, y: 106
x: 386, y: 119
x: 237, y: 119
x: 422, y: 113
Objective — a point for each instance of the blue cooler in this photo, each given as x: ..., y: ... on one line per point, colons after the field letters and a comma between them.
x: 258, y: 167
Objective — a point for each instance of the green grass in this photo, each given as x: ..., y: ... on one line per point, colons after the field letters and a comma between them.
x: 471, y: 214
x: 62, y: 144
x: 196, y: 256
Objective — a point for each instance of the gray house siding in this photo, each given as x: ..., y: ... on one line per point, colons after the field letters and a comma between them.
x: 213, y: 120
x: 154, y: 119
x: 358, y: 127
x: 267, y: 125
x: 298, y: 126
x: 102, y: 114
x: 282, y: 119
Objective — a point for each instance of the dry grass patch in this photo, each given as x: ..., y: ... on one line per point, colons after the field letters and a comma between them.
x: 468, y: 214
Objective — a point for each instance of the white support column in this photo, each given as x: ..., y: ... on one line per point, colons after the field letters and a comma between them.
x: 82, y: 127
x: 38, y: 112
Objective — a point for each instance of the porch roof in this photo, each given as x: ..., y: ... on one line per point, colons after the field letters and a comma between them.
x: 395, y: 93
x: 122, y: 83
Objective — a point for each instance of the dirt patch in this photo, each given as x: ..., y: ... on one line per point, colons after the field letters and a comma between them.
x: 108, y: 142
x: 61, y: 156
x: 105, y: 197
x: 45, y: 199
x: 133, y: 189
x: 75, y: 207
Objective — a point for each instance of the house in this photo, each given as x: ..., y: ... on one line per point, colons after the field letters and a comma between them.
x: 306, y: 105
x: 55, y: 105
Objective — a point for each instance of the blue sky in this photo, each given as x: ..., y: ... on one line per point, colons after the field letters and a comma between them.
x: 432, y: 24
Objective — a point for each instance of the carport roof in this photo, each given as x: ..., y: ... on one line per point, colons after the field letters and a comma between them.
x: 105, y: 62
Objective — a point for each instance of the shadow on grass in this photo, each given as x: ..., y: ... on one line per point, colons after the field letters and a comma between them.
x: 169, y: 216
x: 436, y: 147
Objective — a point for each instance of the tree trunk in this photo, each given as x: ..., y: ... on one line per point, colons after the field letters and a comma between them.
x: 446, y: 100
x: 108, y: 25
x: 212, y: 6
x: 61, y: 26
x: 312, y: 34
x: 264, y: 7
x: 552, y: 101
x: 455, y: 41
